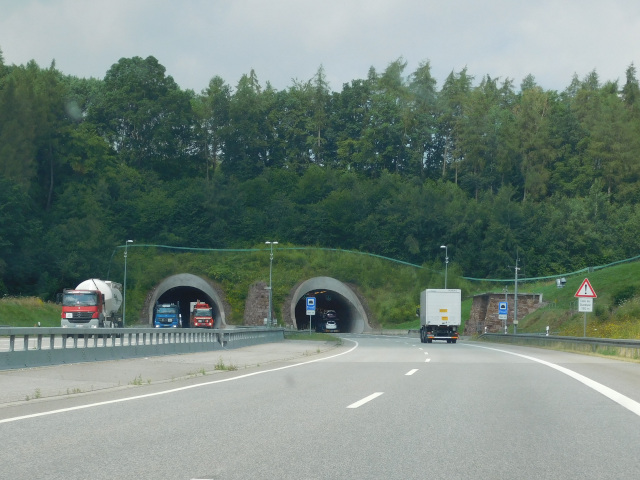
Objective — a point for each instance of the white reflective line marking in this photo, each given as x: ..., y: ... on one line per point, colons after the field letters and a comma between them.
x: 426, y: 353
x: 610, y: 393
x: 359, y: 403
x: 427, y: 360
x: 179, y: 389
x: 411, y: 372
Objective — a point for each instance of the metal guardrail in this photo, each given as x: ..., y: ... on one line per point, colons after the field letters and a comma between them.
x: 36, y: 347
x: 604, y: 346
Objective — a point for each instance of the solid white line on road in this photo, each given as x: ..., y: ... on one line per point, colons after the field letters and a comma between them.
x: 610, y: 393
x: 359, y: 403
x: 179, y: 389
x: 411, y: 372
x: 427, y: 360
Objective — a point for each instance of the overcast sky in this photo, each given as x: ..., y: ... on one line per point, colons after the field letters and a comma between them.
x: 283, y: 40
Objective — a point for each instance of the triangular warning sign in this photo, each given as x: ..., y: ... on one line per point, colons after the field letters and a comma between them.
x: 586, y: 290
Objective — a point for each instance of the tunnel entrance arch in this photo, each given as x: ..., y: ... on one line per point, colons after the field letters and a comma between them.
x: 331, y: 294
x: 186, y: 288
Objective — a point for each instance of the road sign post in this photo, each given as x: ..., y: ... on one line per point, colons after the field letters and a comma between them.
x: 502, y: 313
x: 311, y: 309
x: 585, y: 295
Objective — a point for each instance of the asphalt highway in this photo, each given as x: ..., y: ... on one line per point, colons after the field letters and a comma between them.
x: 373, y: 408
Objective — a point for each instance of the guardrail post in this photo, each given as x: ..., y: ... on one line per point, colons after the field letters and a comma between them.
x: 26, y: 343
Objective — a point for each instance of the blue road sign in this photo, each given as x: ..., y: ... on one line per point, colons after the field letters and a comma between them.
x: 502, y: 308
x: 311, y: 305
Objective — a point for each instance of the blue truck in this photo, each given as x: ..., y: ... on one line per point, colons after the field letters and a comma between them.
x: 167, y: 315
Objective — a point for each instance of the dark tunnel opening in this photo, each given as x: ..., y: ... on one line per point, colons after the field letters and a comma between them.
x: 185, y: 295
x: 326, y: 300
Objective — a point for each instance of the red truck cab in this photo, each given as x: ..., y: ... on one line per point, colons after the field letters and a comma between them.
x: 82, y: 308
x: 201, y: 316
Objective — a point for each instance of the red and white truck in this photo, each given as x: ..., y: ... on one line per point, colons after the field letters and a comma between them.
x: 440, y: 315
x: 201, y: 315
x: 94, y: 303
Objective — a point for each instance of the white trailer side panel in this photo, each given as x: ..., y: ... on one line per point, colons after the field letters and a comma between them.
x: 441, y: 307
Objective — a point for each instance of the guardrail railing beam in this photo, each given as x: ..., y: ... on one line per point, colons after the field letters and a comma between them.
x: 117, y: 343
x: 626, y: 348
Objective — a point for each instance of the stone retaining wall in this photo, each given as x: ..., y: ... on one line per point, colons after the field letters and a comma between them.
x: 484, y: 311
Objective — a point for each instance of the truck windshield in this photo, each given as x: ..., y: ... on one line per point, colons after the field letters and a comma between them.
x: 79, y: 299
x: 167, y: 310
x: 203, y: 312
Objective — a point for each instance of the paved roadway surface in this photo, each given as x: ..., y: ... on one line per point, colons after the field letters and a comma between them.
x: 374, y: 408
x: 82, y: 378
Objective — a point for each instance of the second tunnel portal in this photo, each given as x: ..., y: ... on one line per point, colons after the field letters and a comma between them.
x: 330, y: 294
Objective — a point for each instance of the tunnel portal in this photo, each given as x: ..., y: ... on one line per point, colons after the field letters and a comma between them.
x: 186, y: 288
x: 330, y: 294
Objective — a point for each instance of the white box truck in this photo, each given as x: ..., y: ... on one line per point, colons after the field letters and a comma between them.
x: 440, y: 315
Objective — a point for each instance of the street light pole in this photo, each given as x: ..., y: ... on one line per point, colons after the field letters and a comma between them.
x: 506, y: 317
x: 446, y: 263
x: 515, y: 301
x: 124, y: 294
x: 270, y: 272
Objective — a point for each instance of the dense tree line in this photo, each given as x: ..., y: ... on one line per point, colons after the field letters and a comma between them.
x: 390, y: 164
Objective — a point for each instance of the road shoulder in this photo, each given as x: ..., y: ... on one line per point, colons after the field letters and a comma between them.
x: 35, y: 385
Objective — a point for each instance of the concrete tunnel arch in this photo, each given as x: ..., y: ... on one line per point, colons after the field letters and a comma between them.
x: 336, y: 296
x: 185, y: 288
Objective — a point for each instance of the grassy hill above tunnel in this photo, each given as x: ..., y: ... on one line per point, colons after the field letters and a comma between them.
x: 390, y: 288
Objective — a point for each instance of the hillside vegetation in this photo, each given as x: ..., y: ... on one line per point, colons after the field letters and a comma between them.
x: 392, y: 164
x: 616, y: 310
x: 391, y: 288
x: 28, y: 312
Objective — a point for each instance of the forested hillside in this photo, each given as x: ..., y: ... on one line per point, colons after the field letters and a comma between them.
x: 391, y: 164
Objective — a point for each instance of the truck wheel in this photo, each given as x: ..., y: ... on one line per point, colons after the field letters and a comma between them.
x: 453, y: 341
